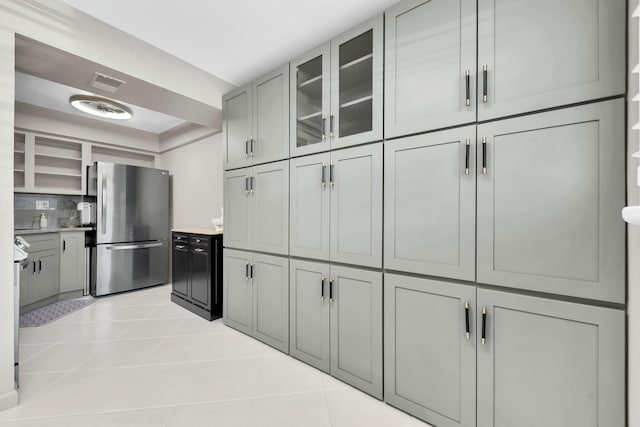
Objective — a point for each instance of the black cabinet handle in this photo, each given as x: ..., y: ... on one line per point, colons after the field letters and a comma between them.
x: 466, y: 157
x: 246, y: 147
x: 39, y: 265
x: 331, y: 120
x: 331, y: 174
x: 253, y: 183
x: 322, y: 288
x: 331, y: 290
x: 485, y: 79
x: 468, y: 87
x: 484, y: 325
x: 251, y: 272
x: 484, y: 156
x: 246, y: 185
x: 466, y: 320
x: 251, y: 145
x: 324, y: 175
x: 34, y: 267
x: 246, y: 271
x: 64, y: 245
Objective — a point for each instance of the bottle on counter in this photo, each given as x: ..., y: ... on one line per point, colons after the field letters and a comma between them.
x: 44, y: 223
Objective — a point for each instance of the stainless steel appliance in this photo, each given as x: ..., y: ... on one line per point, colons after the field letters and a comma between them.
x: 20, y: 260
x: 131, y: 248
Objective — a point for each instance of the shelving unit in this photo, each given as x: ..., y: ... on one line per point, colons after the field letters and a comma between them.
x: 309, y: 102
x: 18, y: 160
x: 57, y: 165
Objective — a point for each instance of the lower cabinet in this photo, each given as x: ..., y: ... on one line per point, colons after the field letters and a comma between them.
x: 430, y: 349
x: 72, y: 261
x: 256, y: 296
x: 40, y: 279
x: 539, y: 362
x: 197, y: 273
x: 336, y: 322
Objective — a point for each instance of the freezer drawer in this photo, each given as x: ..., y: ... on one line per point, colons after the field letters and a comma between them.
x: 126, y: 266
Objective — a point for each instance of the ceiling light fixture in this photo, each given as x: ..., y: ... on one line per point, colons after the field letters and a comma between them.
x: 101, y: 107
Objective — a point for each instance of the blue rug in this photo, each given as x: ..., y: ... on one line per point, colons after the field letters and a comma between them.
x: 54, y: 311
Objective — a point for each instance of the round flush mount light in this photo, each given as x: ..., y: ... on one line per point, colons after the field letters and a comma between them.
x: 101, y: 107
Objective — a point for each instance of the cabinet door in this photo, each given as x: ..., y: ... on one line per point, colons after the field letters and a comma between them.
x: 238, y: 225
x: 309, y: 313
x: 430, y: 198
x: 27, y: 277
x: 356, y: 85
x: 180, y: 268
x: 237, y: 292
x: 309, y: 108
x: 430, y: 63
x: 271, y: 117
x: 430, y: 352
x: 200, y: 281
x: 71, y: 261
x: 47, y: 280
x: 549, y: 363
x: 271, y: 300
x: 236, y: 127
x: 309, y: 229
x: 270, y: 204
x: 355, y: 297
x: 549, y: 205
x: 356, y: 206
x: 547, y: 53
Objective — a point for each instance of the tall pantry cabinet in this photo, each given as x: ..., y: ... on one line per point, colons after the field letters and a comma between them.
x: 467, y: 262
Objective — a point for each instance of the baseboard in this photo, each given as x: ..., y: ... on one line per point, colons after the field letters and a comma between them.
x: 8, y: 400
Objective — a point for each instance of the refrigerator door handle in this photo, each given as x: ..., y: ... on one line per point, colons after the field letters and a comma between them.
x: 126, y: 247
x: 104, y: 204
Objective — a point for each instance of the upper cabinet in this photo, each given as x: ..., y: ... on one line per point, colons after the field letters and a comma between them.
x: 543, y: 54
x: 256, y: 121
x: 336, y: 92
x: 430, y: 63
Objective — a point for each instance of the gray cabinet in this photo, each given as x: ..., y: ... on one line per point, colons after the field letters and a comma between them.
x: 549, y: 363
x: 430, y: 204
x: 72, y: 261
x: 430, y: 350
x: 256, y: 296
x: 546, y: 54
x: 257, y: 208
x: 336, y: 91
x: 237, y: 127
x: 549, y: 203
x: 256, y: 121
x: 430, y: 65
x: 41, y: 277
x: 336, y: 322
x: 351, y: 180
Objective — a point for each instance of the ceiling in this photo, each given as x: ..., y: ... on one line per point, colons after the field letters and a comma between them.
x: 235, y: 40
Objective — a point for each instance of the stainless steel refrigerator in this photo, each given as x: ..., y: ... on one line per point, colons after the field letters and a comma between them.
x: 131, y: 248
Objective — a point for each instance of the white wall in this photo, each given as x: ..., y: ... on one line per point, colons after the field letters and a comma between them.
x: 633, y: 232
x: 59, y: 25
x: 196, y: 171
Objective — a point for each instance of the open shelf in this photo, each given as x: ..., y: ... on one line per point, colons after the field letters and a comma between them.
x: 54, y: 156
x: 41, y: 172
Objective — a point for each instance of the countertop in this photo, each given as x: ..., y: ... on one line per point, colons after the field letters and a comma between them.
x: 50, y: 230
x: 206, y: 231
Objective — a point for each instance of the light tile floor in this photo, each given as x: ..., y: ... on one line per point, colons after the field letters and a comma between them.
x: 137, y: 359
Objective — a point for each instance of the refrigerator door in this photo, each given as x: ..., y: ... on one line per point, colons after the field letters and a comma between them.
x: 127, y: 266
x: 133, y: 203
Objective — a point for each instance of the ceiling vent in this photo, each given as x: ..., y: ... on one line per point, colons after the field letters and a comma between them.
x: 105, y: 83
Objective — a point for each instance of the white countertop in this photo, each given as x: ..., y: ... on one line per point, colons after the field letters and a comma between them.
x: 50, y: 230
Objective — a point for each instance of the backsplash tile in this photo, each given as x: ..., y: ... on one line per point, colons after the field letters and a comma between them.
x: 62, y: 210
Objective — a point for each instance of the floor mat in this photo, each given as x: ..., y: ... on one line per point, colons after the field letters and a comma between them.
x: 54, y: 311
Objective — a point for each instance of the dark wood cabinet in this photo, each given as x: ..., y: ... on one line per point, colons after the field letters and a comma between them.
x: 197, y: 272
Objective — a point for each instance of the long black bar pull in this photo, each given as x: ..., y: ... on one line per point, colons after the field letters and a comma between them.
x: 485, y: 79
x: 324, y: 127
x: 246, y: 271
x: 466, y: 319
x: 331, y: 119
x: 468, y: 86
x: 324, y: 175
x: 484, y: 156
x: 484, y: 325
x: 331, y: 290
x: 466, y: 158
x: 331, y: 174
x: 322, y: 288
